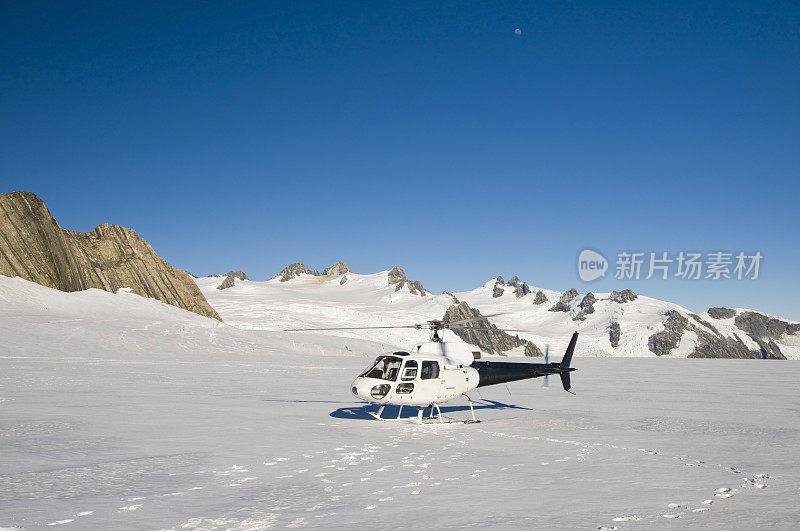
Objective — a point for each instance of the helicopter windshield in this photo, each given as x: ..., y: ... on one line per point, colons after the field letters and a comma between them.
x: 386, y: 368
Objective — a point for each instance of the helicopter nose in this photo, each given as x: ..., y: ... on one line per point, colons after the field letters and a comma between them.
x: 358, y: 383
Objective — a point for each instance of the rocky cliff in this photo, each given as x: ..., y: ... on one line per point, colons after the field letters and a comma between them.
x: 35, y: 247
x: 484, y: 334
x: 293, y: 271
x: 398, y: 277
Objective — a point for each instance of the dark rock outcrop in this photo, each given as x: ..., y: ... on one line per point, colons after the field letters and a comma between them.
x: 237, y: 274
x: 661, y: 343
x: 586, y: 307
x: 339, y: 268
x: 398, y: 277
x: 721, y: 313
x: 758, y: 325
x: 497, y: 291
x: 294, y: 270
x: 540, y: 298
x: 229, y: 282
x: 489, y: 338
x: 710, y: 342
x: 614, y: 332
x: 623, y: 296
x: 35, y: 247
x: 520, y: 288
x: 344, y: 279
x: 564, y: 303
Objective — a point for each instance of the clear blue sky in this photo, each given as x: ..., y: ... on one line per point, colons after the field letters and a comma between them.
x: 427, y: 136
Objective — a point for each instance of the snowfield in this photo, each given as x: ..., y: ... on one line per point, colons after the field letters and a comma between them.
x: 367, y: 300
x: 123, y: 412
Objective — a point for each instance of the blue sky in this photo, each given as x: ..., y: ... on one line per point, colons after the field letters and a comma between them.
x: 427, y: 136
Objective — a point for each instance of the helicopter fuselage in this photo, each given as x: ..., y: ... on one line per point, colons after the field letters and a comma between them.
x: 438, y: 371
x: 406, y: 379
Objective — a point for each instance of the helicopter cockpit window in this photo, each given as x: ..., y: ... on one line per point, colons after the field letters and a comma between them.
x: 430, y: 370
x: 409, y: 371
x: 386, y: 368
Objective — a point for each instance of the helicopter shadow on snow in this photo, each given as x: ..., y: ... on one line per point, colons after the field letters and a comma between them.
x: 362, y: 412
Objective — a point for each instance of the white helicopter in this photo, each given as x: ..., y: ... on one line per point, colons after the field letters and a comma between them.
x: 438, y: 371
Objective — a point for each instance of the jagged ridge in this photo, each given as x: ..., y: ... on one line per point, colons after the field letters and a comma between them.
x: 35, y: 247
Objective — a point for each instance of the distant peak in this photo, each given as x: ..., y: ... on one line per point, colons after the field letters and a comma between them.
x: 296, y: 269
x: 398, y: 276
x: 339, y: 268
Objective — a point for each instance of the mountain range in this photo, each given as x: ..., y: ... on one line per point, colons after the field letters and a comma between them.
x: 35, y: 247
x: 620, y: 323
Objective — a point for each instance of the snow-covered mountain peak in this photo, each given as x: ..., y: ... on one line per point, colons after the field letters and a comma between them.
x: 620, y: 323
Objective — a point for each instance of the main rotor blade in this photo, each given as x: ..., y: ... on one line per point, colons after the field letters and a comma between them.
x: 494, y: 329
x: 471, y: 319
x: 348, y: 328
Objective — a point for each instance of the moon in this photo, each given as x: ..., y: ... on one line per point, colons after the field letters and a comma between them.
x: 517, y: 31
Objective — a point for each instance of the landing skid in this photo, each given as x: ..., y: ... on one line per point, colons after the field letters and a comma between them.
x: 421, y: 419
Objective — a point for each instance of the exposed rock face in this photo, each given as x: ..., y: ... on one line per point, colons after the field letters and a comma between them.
x: 237, y: 274
x: 398, y: 277
x: 623, y: 296
x: 344, y: 279
x: 762, y: 326
x: 490, y: 339
x: 586, y: 306
x: 710, y: 342
x: 497, y: 291
x: 520, y: 288
x: 229, y: 282
x: 339, y: 268
x: 661, y: 343
x: 721, y: 313
x: 35, y: 247
x: 614, y: 332
x: 540, y: 298
x: 565, y: 301
x: 500, y: 281
x: 294, y: 270
x: 415, y: 287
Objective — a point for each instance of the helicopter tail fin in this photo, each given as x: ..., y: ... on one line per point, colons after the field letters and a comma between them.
x: 565, y: 362
x: 567, y: 359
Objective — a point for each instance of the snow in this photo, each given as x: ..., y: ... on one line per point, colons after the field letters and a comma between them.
x: 123, y: 412
x: 368, y: 300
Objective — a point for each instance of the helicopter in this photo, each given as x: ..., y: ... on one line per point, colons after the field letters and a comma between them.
x: 438, y: 371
